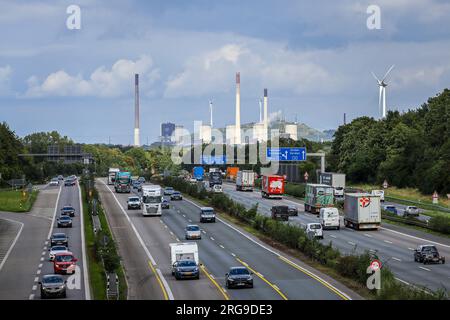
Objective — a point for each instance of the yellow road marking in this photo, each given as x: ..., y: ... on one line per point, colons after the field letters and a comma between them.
x: 274, y: 287
x: 314, y: 277
x: 226, y: 296
x: 166, y: 297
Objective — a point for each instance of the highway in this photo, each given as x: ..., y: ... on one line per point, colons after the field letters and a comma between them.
x: 393, y: 244
x: 401, y: 209
x: 28, y: 244
x: 276, y: 276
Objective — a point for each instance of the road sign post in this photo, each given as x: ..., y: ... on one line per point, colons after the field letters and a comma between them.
x: 435, y: 198
x: 306, y: 176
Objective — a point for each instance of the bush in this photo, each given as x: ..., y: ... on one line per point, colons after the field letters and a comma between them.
x: 440, y: 224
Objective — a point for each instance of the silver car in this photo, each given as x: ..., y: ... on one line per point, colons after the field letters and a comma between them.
x: 193, y: 232
x: 52, y: 285
x: 411, y: 211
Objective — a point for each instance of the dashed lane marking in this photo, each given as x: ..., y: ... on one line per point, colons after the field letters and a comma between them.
x: 423, y: 268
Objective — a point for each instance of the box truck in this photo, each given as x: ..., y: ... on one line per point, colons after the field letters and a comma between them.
x: 122, y: 182
x: 245, y: 180
x: 336, y: 180
x: 197, y: 173
x: 112, y: 175
x: 151, y: 200
x: 272, y: 186
x: 318, y: 196
x: 362, y: 211
x: 232, y: 173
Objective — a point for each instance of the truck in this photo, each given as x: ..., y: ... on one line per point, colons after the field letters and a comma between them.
x: 112, y: 175
x: 215, y: 177
x: 231, y: 173
x: 184, y: 260
x: 122, y: 182
x: 280, y: 212
x: 362, y: 211
x: 245, y: 180
x: 197, y: 173
x: 318, y: 196
x: 378, y: 193
x: 336, y: 180
x: 151, y: 200
x: 272, y: 186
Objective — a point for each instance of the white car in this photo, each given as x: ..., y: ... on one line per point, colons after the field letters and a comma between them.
x: 217, y: 188
x: 54, y: 182
x: 55, y: 250
x: 411, y: 211
x: 315, y: 230
x: 379, y: 193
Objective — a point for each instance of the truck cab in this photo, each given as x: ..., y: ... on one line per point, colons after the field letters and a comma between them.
x: 122, y: 182
x: 151, y: 200
x: 329, y: 218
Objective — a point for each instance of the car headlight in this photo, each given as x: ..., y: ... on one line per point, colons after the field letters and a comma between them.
x: 61, y: 287
x: 230, y: 279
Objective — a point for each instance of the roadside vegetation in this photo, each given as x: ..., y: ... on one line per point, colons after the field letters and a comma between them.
x: 351, y: 267
x: 17, y: 200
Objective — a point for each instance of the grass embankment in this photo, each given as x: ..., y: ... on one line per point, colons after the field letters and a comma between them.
x: 17, y: 201
x: 97, y: 276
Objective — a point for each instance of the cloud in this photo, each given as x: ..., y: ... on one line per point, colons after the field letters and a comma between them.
x: 5, y: 79
x: 103, y: 82
x: 420, y: 75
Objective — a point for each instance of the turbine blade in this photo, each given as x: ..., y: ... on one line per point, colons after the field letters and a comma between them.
x: 373, y: 74
x: 390, y: 69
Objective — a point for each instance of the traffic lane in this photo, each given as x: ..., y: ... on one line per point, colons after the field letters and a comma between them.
x: 75, y: 283
x: 401, y: 210
x: 141, y: 281
x: 9, y: 230
x: 157, y: 238
x: 217, y: 260
x: 267, y: 264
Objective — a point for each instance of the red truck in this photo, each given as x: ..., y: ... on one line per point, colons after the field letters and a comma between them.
x: 272, y: 186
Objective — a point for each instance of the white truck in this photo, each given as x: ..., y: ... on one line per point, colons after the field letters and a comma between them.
x: 379, y: 193
x: 329, y: 218
x: 362, y: 211
x: 151, y: 200
x: 335, y: 180
x: 245, y: 180
x: 112, y: 175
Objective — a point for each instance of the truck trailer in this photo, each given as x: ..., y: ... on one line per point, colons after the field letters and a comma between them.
x: 112, y: 175
x: 318, y: 196
x: 362, y: 211
x: 245, y: 180
x: 272, y: 186
x: 335, y: 180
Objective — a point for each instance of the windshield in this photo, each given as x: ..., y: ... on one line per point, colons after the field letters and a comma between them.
x: 207, y: 212
x: 124, y: 180
x: 430, y: 249
x: 413, y: 208
x: 315, y: 226
x: 239, y: 271
x: 64, y: 258
x: 59, y: 248
x: 59, y: 236
x: 52, y: 279
x: 186, y: 263
x: 152, y: 199
x: 169, y: 188
x: 193, y: 228
x: 64, y: 218
x: 67, y: 208
x: 133, y: 199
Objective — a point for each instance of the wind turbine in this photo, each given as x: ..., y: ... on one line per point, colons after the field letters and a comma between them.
x: 211, y: 112
x: 382, y: 91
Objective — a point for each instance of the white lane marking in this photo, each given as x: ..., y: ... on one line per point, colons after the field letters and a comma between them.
x: 233, y: 254
x: 221, y: 246
x: 211, y: 276
x: 204, y: 232
x: 13, y: 243
x: 351, y: 243
x: 54, y: 214
x: 212, y: 238
x: 387, y: 241
x: 46, y: 242
x: 36, y: 279
x: 407, y: 283
x: 39, y: 271
x: 42, y: 258
x: 171, y: 232
x: 147, y: 252
x: 184, y: 215
x: 165, y: 226
x: 178, y: 240
x: 43, y: 253
x: 87, y: 289
x: 276, y: 287
x: 189, y: 220
x: 333, y: 236
x: 40, y: 265
x: 423, y: 268
x: 31, y: 297
x: 311, y: 274
x: 34, y: 288
x: 45, y: 248
x: 397, y: 259
x: 368, y: 235
x: 417, y: 238
x: 411, y: 249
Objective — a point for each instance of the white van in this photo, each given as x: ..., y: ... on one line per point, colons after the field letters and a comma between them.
x: 217, y: 188
x: 329, y: 218
x: 314, y: 230
x: 378, y: 193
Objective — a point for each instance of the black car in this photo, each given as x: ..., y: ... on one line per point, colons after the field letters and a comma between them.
x: 183, y: 269
x: 68, y: 211
x: 64, y: 221
x: 165, y: 204
x: 69, y: 182
x: 176, y: 195
x: 428, y: 254
x: 59, y: 239
x: 293, y: 210
x: 52, y: 285
x: 239, y: 277
x: 168, y: 191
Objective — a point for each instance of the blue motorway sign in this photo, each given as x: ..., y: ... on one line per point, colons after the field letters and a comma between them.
x: 286, y: 154
x: 214, y: 159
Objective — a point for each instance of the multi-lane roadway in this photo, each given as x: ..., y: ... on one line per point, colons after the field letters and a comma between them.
x: 393, y: 244
x: 144, y: 246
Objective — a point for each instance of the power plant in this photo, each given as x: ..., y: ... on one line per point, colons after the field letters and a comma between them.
x: 136, y: 111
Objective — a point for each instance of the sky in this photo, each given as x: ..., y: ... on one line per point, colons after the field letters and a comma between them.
x: 315, y: 58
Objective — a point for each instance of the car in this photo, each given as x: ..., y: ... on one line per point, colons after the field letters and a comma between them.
x: 56, y: 249
x: 52, y: 285
x: 64, y: 263
x: 168, y: 191
x: 428, y: 254
x: 391, y: 209
x: 59, y: 239
x: 192, y: 231
x: 238, y: 277
x: 183, y: 269
x: 280, y: 212
x: 64, y: 221
x: 293, y: 210
x: 54, y: 182
x: 68, y: 211
x: 176, y: 195
x: 314, y: 230
x: 165, y: 204
x: 217, y: 188
x: 134, y: 203
x: 207, y: 214
x: 60, y: 177
x: 141, y: 180
x: 69, y: 182
x: 137, y: 185
x: 411, y: 211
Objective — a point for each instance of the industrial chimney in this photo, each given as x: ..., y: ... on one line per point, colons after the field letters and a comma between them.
x: 136, y: 110
x: 266, y: 118
x: 211, y: 113
x: 238, y: 109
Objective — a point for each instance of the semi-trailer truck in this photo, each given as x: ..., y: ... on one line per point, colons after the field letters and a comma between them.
x: 245, y: 180
x: 318, y: 196
x: 122, y: 182
x: 112, y: 175
x: 362, y: 211
x: 151, y: 200
x: 215, y: 178
x: 272, y: 186
x: 335, y: 180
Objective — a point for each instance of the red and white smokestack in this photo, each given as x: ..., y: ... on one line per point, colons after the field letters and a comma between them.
x: 136, y: 111
x: 238, y: 109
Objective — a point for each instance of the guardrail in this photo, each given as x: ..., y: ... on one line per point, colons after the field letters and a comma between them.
x: 406, y: 221
x: 420, y: 204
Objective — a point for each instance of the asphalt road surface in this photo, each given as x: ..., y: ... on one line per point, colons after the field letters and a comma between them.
x: 393, y: 244
x: 276, y: 276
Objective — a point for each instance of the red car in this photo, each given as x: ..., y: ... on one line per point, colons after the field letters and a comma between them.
x: 64, y: 262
